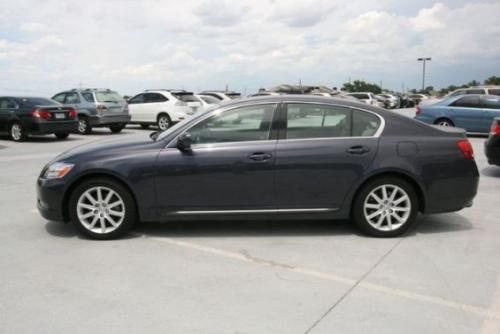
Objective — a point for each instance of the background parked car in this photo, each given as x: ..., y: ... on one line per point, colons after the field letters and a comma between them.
x: 207, y: 100
x: 162, y: 107
x: 368, y: 98
x: 471, y: 112
x: 482, y: 90
x: 222, y: 95
x: 418, y: 98
x: 96, y: 107
x: 492, y: 145
x: 391, y: 101
x: 22, y: 116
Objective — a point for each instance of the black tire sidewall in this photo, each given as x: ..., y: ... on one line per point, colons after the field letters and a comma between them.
x: 358, y: 207
x: 88, y: 128
x: 62, y: 135
x: 130, y: 208
x: 116, y: 128
x: 23, y: 132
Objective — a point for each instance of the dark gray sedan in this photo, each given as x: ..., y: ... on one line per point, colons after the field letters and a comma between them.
x: 287, y: 157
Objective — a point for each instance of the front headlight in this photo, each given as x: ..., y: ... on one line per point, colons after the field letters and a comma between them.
x: 58, y: 170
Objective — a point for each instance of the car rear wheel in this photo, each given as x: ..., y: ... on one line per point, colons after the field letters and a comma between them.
x: 163, y: 122
x: 84, y: 127
x: 117, y: 128
x: 17, y: 132
x: 62, y: 135
x: 385, y: 207
x: 102, y: 209
x: 444, y: 122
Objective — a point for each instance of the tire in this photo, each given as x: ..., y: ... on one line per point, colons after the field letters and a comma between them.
x: 84, y: 127
x: 145, y: 126
x: 444, y: 122
x: 93, y: 220
x: 17, y: 132
x: 163, y: 122
x: 62, y: 135
x: 117, y: 128
x: 379, y: 218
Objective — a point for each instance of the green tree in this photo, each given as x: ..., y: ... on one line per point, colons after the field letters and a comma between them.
x: 362, y: 86
x: 494, y: 80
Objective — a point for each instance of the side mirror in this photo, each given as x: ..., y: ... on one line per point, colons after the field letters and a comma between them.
x: 184, y: 141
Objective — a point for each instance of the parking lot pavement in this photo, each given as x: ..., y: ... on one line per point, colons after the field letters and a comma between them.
x: 244, y: 277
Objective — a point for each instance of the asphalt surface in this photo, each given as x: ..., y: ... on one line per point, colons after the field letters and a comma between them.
x: 243, y: 277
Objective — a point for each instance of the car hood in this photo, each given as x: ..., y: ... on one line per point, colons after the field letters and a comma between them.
x: 108, y: 147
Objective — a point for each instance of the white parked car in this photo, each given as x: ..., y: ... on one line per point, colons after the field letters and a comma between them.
x: 162, y: 107
x: 222, y: 95
x: 207, y: 100
x: 368, y: 98
x: 392, y: 101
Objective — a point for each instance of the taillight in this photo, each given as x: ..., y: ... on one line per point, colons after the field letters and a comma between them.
x: 466, y: 149
x: 418, y: 111
x: 73, y: 114
x: 101, y: 108
x: 37, y: 113
x: 495, y: 128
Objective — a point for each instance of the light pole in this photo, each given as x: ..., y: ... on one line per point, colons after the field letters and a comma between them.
x: 423, y: 70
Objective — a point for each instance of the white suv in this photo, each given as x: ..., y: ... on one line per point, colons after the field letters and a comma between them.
x: 368, y: 98
x: 222, y: 95
x: 162, y: 107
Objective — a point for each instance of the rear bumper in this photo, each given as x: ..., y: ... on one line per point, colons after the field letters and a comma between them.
x: 50, y: 196
x: 46, y: 127
x: 492, y: 150
x: 106, y: 120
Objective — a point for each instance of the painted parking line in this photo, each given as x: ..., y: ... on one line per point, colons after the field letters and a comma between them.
x: 24, y: 157
x: 492, y: 313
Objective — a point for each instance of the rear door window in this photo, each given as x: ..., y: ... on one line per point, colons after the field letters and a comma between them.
x: 72, y: 98
x: 59, y: 98
x: 154, y: 98
x: 89, y: 97
x: 491, y: 102
x: 7, y: 104
x: 494, y: 92
x: 137, y: 99
x: 468, y: 102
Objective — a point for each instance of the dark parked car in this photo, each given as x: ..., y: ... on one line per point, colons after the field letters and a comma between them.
x: 96, y: 107
x: 270, y: 157
x: 492, y: 145
x: 22, y: 116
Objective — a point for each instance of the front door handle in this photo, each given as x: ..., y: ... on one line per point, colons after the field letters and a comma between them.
x: 358, y: 150
x: 260, y: 156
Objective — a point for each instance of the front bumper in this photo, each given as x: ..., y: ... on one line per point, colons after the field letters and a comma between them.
x: 492, y: 150
x: 50, y: 198
x: 107, y: 120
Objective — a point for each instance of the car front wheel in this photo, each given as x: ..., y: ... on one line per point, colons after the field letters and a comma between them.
x: 102, y: 209
x: 385, y: 207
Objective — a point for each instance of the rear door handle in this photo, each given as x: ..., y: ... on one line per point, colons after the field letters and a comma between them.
x: 358, y: 150
x: 260, y: 156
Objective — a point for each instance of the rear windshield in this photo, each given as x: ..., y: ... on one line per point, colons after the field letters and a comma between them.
x: 233, y: 95
x: 40, y: 101
x: 186, y: 97
x: 210, y: 99
x: 106, y: 96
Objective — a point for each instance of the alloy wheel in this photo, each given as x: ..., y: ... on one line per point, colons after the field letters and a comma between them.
x: 163, y: 122
x: 16, y: 132
x: 82, y: 125
x: 387, y: 207
x: 100, y: 210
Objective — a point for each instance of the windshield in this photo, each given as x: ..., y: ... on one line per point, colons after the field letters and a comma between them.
x: 186, y: 97
x: 39, y: 101
x: 109, y: 96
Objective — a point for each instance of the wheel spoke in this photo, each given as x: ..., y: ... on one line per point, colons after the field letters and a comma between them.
x: 375, y: 214
x: 114, y: 204
x: 87, y: 215
x: 401, y: 209
x: 99, y: 194
x: 389, y: 221
x: 90, y: 198
x: 108, y: 197
x: 92, y: 224
x: 116, y: 213
x: 379, y: 221
x: 111, y: 220
x: 376, y: 198
x: 372, y: 206
x: 398, y: 218
x: 103, y: 224
x: 393, y: 195
x: 401, y: 199
x: 384, y: 193
x: 86, y: 206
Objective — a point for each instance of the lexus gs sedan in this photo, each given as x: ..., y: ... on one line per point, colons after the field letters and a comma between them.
x: 272, y: 157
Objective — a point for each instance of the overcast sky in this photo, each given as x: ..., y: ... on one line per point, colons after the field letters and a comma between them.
x: 47, y: 46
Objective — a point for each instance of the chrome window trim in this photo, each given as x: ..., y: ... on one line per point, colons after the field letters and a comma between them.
x: 202, y: 212
x: 375, y: 135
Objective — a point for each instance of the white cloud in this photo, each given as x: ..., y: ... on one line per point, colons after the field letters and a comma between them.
x: 132, y: 45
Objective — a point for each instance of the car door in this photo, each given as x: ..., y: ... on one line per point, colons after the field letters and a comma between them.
x: 155, y: 103
x: 229, y: 168
x: 467, y: 113
x: 323, y: 151
x: 136, y: 108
